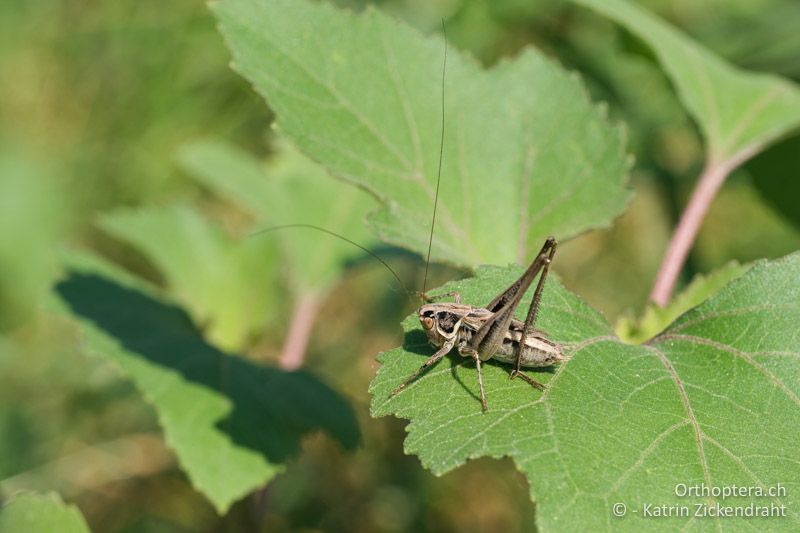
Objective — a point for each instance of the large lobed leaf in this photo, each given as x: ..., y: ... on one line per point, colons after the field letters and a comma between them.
x: 526, y: 154
x: 712, y: 400
x: 739, y: 112
x: 231, y: 423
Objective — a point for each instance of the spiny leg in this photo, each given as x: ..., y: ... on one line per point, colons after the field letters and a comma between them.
x: 431, y: 361
x: 494, y: 331
x: 477, y: 358
x: 468, y: 351
x: 533, y: 310
x: 533, y: 383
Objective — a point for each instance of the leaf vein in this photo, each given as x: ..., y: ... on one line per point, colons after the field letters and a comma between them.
x: 738, y: 353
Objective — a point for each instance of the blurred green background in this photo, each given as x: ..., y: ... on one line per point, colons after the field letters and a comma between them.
x: 98, y: 104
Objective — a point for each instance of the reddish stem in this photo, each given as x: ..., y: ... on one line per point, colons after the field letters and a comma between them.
x: 708, y: 184
x: 294, y: 348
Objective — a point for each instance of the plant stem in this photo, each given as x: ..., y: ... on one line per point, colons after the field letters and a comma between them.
x: 708, y: 184
x: 294, y: 348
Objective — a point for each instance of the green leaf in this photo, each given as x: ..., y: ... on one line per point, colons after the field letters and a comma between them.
x: 231, y: 423
x: 228, y: 286
x: 712, y: 400
x: 739, y: 112
x: 34, y: 214
x: 526, y: 154
x: 656, y: 318
x: 288, y: 189
x: 29, y: 512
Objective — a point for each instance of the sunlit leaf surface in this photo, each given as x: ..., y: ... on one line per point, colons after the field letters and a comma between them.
x: 525, y: 154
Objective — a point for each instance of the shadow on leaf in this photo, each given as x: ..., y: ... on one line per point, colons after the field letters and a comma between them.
x: 271, y: 408
x: 415, y: 341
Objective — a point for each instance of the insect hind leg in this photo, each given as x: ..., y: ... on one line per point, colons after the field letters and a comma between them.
x: 546, y: 254
x: 532, y: 382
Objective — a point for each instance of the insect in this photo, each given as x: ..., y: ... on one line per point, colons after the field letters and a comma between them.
x: 492, y: 332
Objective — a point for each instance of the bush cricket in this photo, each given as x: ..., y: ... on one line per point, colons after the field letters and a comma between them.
x: 483, y: 333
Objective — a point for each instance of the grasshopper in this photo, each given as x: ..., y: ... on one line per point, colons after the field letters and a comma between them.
x: 483, y: 333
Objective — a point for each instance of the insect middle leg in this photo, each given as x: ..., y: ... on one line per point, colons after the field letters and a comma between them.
x: 470, y: 352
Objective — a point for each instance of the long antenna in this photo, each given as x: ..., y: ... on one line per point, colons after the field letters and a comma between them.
x: 333, y: 233
x: 439, y: 173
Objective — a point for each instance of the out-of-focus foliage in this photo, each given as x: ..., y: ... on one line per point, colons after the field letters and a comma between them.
x: 107, y: 92
x: 229, y: 286
x: 655, y: 319
x: 274, y: 192
x: 739, y: 112
x: 230, y: 422
x: 96, y: 102
x: 777, y: 172
x: 34, y: 513
x: 742, y: 226
x: 33, y: 214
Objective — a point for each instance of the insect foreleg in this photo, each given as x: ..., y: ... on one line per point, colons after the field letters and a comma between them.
x: 448, y: 345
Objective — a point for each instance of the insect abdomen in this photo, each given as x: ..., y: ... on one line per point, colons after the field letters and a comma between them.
x: 537, y: 352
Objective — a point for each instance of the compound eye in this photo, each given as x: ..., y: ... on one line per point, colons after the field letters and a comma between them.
x: 427, y: 322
